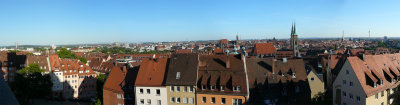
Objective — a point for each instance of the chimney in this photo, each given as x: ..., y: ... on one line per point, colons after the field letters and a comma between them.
x: 363, y: 57
x: 273, y: 66
x: 124, y: 69
x: 228, y: 62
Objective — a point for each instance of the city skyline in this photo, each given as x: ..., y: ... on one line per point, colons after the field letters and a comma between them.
x: 86, y: 22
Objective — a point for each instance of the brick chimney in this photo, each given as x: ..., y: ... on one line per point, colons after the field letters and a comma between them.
x: 228, y: 62
x: 273, y: 66
x: 124, y: 70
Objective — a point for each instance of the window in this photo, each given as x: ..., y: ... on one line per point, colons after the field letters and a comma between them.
x: 382, y: 93
x: 237, y: 101
x: 351, y: 96
x: 149, y: 101
x: 351, y: 84
x: 178, y: 75
x: 237, y: 88
x: 158, y: 92
x: 344, y: 94
x: 141, y: 101
x: 141, y: 91
x: 185, y: 100
x: 344, y: 82
x: 347, y: 72
x: 297, y: 89
x: 203, y: 87
x: 158, y: 102
x: 74, y: 70
x: 312, y: 79
x: 185, y: 88
x: 178, y: 100
x: 222, y: 88
x: 70, y: 71
x: 178, y: 88
x: 190, y: 88
x: 191, y: 100
x: 376, y: 96
x: 212, y: 100
x: 358, y: 98
x: 212, y: 87
x: 171, y: 88
x: 148, y: 91
x: 382, y: 103
x: 223, y: 101
x: 119, y: 96
x: 172, y: 99
x: 204, y: 100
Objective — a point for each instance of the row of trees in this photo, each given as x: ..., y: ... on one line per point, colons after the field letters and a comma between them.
x: 122, y: 50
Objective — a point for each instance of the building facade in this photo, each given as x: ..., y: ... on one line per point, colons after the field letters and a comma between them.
x: 181, y: 79
x: 367, y: 80
x: 149, y: 88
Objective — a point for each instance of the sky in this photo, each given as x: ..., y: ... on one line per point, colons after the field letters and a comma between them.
x: 45, y: 22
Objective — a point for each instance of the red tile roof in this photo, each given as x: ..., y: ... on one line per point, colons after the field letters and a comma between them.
x: 379, y: 66
x: 264, y: 48
x: 183, y: 51
x: 151, y: 72
x: 224, y: 41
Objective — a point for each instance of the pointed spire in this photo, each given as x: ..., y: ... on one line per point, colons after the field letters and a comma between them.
x: 291, y: 32
x: 294, y: 28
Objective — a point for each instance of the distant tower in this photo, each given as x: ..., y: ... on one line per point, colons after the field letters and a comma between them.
x: 294, y: 41
x: 369, y: 34
x: 343, y: 36
x: 16, y: 46
x: 237, y: 38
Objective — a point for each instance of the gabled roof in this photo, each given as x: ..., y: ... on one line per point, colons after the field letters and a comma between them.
x: 218, y: 62
x: 260, y: 71
x: 375, y: 67
x: 119, y: 78
x: 264, y: 48
x: 151, y: 72
x: 184, y: 64
x: 213, y: 71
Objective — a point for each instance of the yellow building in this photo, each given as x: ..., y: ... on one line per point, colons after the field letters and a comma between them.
x: 367, y: 80
x: 181, y: 79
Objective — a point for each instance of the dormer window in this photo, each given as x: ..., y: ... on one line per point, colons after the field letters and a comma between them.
x: 381, y: 82
x: 203, y: 87
x: 294, y: 75
x: 222, y: 88
x: 62, y: 65
x: 236, y: 88
x: 212, y: 87
x: 81, y: 65
x: 178, y: 75
x: 374, y: 84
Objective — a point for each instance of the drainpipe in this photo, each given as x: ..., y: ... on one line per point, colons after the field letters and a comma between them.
x: 247, y: 78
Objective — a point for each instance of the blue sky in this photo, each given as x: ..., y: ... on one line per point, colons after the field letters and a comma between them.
x: 44, y: 22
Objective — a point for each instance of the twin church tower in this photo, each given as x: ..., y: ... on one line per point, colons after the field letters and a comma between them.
x: 294, y: 45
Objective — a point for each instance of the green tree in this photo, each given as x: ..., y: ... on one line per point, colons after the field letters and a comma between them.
x: 83, y: 60
x: 64, y: 53
x: 101, y: 78
x: 31, y: 82
x: 98, y: 102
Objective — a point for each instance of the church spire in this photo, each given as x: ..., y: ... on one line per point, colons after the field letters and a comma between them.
x: 294, y: 28
x: 291, y: 32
